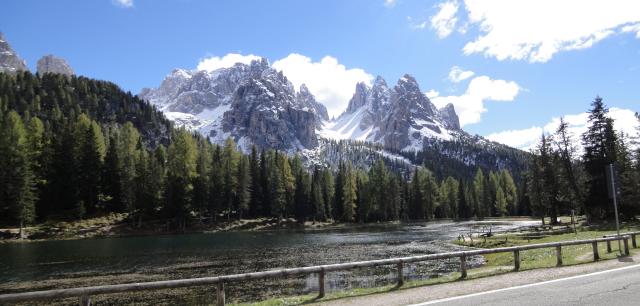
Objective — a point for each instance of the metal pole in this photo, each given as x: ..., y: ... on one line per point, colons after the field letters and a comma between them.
x: 573, y: 221
x: 615, y: 204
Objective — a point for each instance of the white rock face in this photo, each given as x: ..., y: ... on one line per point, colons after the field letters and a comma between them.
x: 10, y: 62
x: 53, y: 64
x: 254, y: 104
x: 399, y: 118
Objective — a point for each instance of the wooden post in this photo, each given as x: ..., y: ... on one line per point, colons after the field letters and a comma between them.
x: 626, y: 245
x: 559, y: 255
x: 321, y: 284
x: 596, y: 256
x: 400, y: 274
x: 463, y: 266
x: 85, y: 300
x: 608, y: 246
x: 633, y: 241
x: 220, y: 294
x: 516, y: 260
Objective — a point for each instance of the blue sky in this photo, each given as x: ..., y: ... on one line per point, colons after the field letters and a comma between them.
x: 538, y: 59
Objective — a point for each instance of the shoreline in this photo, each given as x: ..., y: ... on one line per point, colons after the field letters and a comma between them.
x: 117, y: 226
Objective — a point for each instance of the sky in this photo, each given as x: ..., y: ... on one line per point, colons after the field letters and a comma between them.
x: 511, y: 68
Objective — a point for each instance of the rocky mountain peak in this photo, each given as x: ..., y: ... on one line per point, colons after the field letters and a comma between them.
x: 252, y: 103
x: 10, y: 62
x: 359, y: 98
x: 306, y: 99
x: 53, y: 64
x: 450, y: 117
x: 379, y: 82
x: 407, y: 83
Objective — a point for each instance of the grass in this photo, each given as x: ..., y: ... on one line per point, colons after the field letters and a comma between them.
x: 544, y: 258
x: 494, y: 263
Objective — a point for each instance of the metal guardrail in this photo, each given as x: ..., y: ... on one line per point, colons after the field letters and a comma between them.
x: 84, y: 293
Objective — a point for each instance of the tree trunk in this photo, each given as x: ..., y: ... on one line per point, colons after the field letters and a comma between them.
x: 21, y: 232
x: 554, y: 216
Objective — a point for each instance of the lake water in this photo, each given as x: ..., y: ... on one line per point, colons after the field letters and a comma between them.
x: 59, y: 264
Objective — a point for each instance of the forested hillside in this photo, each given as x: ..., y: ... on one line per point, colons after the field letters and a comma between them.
x: 72, y: 147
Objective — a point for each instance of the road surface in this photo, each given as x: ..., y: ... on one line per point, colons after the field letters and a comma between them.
x: 613, y: 287
x: 608, y: 282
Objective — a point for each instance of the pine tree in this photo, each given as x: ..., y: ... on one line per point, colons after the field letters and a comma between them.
x: 129, y: 143
x: 463, y: 206
x: 111, y: 176
x: 181, y: 169
x: 510, y: 192
x: 349, y: 196
x: 416, y: 208
x: 202, y: 182
x: 255, y: 203
x: 599, y: 151
x: 229, y: 175
x: 302, y: 197
x: 38, y: 148
x: 568, y: 184
x: 242, y: 194
x: 479, y: 194
x: 317, y: 210
x: 91, y: 153
x: 629, y: 180
x: 327, y: 185
x: 501, y: 202
x: 17, y: 181
x: 548, y: 176
x: 430, y: 194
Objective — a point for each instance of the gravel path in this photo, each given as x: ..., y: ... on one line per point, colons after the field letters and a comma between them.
x: 440, y: 291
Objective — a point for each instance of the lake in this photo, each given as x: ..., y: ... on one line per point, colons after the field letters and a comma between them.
x: 69, y: 263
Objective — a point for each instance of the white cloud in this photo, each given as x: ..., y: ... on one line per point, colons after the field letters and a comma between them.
x: 431, y: 94
x: 390, y: 3
x: 215, y: 62
x: 445, y: 20
x: 632, y: 28
x: 457, y: 74
x: 123, y: 3
x: 624, y: 120
x: 535, y: 30
x: 470, y: 105
x: 329, y: 81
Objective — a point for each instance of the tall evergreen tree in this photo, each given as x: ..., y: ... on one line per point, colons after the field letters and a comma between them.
x: 18, y: 196
x: 599, y: 151
x: 181, y: 169
x: 479, y: 194
x: 568, y: 185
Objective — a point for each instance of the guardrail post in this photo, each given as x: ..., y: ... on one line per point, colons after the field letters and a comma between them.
x: 608, y: 246
x: 596, y: 256
x: 220, y: 294
x: 516, y: 260
x: 559, y: 255
x: 626, y: 245
x: 321, y: 284
x: 633, y: 241
x: 400, y: 274
x: 85, y: 300
x: 463, y: 266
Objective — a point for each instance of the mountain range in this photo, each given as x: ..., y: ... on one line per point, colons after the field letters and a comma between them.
x: 257, y: 105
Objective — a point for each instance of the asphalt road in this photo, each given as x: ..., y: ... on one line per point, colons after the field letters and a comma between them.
x: 619, y: 286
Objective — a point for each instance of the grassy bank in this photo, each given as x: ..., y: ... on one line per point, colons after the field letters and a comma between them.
x: 494, y: 263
